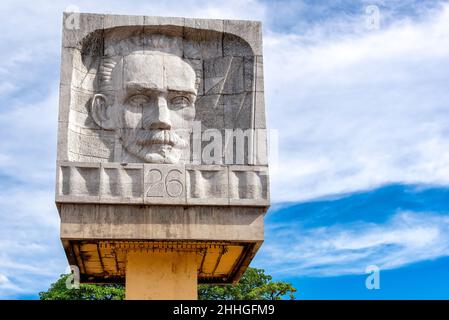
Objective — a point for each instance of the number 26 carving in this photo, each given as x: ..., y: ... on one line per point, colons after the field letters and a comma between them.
x: 159, y: 185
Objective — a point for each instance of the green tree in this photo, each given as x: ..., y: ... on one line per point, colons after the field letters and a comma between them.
x: 254, y: 285
x: 59, y: 291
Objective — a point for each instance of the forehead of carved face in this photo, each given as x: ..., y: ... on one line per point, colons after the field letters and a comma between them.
x: 154, y: 91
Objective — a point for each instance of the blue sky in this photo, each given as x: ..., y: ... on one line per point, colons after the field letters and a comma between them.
x: 361, y: 115
x: 324, y: 246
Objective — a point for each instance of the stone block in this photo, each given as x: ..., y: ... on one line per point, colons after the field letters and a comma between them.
x: 207, y: 184
x: 238, y: 109
x: 259, y: 74
x: 79, y: 182
x: 172, y: 26
x: 80, y: 101
x: 121, y: 183
x: 64, y: 103
x: 84, y: 81
x: 203, y: 43
x: 238, y: 30
x: 197, y: 65
x: 223, y: 75
x: 90, y: 145
x: 203, y: 25
x: 238, y: 146
x: 164, y: 21
x: 113, y: 21
x: 131, y: 222
x: 67, y: 65
x: 164, y: 184
x: 253, y: 73
x: 259, y: 111
x: 123, y: 41
x: 210, y: 112
x: 248, y: 185
x: 260, y: 147
x: 77, y: 26
x: 62, y: 145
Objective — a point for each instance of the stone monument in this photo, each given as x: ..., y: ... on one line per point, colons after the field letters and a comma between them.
x: 162, y: 175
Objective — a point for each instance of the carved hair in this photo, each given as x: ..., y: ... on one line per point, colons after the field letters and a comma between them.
x: 104, y: 75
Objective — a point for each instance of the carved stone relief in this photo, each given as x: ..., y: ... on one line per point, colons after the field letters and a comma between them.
x: 141, y: 92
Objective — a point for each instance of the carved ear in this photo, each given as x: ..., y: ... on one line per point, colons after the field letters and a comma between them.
x: 101, y: 112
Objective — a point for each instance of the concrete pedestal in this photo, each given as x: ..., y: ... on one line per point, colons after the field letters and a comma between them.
x: 161, y: 276
x: 97, y: 238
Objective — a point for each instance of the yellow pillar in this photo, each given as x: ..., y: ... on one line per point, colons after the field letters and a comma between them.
x: 161, y: 276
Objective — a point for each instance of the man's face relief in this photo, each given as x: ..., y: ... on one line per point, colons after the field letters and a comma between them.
x: 152, y: 107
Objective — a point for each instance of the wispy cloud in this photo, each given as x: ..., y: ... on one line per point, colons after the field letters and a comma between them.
x: 335, y: 250
x: 358, y: 108
x: 31, y: 255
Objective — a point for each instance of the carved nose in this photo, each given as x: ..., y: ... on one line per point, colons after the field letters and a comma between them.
x: 162, y: 120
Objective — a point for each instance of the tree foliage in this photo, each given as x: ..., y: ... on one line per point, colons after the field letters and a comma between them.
x: 254, y: 285
x: 59, y: 291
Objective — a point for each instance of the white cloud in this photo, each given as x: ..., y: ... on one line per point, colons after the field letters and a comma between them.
x: 6, y: 285
x: 31, y: 254
x: 406, y: 238
x: 3, y: 279
x: 356, y: 110
x: 27, y: 150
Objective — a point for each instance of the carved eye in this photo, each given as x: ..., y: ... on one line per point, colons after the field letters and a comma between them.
x: 180, y: 102
x: 138, y: 100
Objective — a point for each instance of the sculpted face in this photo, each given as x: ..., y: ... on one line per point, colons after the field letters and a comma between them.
x: 151, y: 106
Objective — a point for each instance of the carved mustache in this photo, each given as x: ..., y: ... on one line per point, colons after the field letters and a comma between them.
x: 164, y: 137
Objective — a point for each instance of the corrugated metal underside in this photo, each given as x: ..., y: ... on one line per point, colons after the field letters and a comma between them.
x: 104, y: 261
